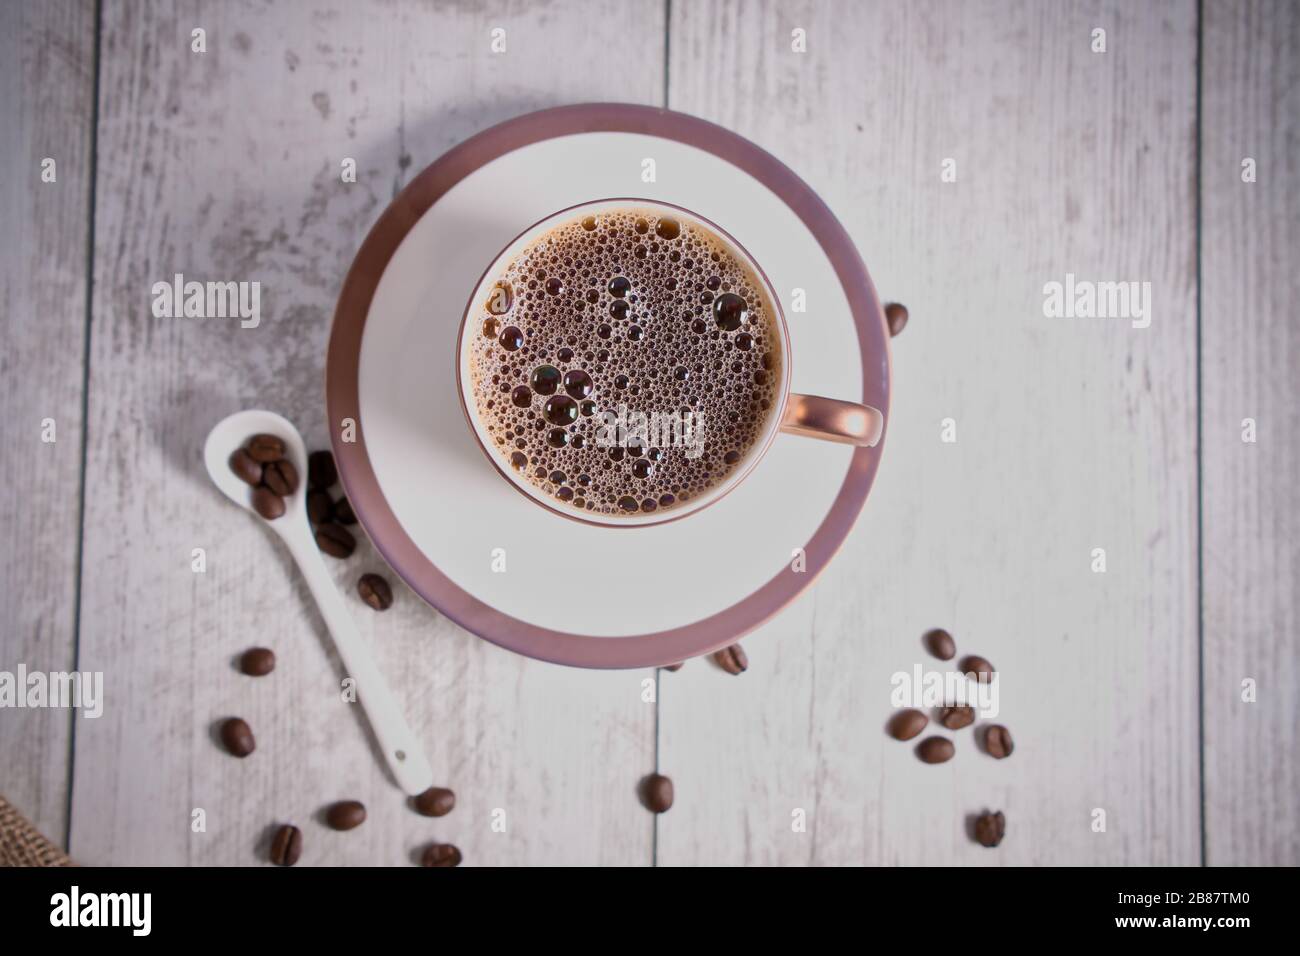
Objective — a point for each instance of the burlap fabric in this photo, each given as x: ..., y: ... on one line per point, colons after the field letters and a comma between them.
x: 21, y: 844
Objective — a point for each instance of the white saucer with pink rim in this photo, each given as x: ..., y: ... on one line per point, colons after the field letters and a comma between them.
x: 464, y: 538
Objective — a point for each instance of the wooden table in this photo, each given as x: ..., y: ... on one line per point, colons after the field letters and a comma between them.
x: 1123, y: 689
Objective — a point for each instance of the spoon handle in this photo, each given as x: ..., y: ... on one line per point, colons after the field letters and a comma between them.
x: 401, y: 748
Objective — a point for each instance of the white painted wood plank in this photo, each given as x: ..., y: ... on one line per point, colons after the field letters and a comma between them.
x: 225, y: 165
x: 1250, y: 273
x: 1072, y: 434
x: 46, y: 97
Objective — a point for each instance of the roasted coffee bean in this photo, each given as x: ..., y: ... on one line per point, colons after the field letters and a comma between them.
x: 955, y: 717
x: 321, y: 473
x: 343, y: 513
x: 940, y: 643
x: 657, y: 793
x: 238, y: 737
x: 896, y: 316
x: 245, y: 468
x: 990, y: 828
x: 935, y: 749
x: 906, y: 724
x: 346, y: 815
x: 978, y: 666
x: 267, y: 503
x: 674, y: 667
x: 335, y: 540
x: 257, y: 661
x: 435, y: 802
x: 997, y: 741
x: 286, y: 846
x: 441, y: 854
x: 732, y: 659
x: 375, y: 591
x: 320, y: 508
x: 281, y: 477
x: 265, y: 448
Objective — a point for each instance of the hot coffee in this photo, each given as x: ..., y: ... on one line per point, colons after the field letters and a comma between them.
x: 625, y: 362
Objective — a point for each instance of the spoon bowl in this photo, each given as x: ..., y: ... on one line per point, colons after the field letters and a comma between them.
x: 233, y: 432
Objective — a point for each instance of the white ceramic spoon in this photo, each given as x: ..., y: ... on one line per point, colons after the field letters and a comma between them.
x: 401, y: 749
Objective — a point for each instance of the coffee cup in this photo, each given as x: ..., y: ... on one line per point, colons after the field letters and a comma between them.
x: 625, y: 362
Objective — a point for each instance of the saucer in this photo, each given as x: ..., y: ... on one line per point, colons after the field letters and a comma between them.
x: 489, y: 558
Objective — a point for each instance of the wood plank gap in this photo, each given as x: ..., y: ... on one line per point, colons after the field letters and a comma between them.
x: 1200, y: 423
x: 85, y: 413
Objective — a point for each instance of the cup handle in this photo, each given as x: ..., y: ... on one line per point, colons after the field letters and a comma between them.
x: 832, y: 420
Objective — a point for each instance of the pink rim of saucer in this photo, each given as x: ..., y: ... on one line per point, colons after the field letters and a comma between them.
x: 342, y: 395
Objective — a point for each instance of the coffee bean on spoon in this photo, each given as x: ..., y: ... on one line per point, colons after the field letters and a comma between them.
x: 321, y: 473
x: 434, y: 802
x: 441, y: 854
x: 257, y: 661
x: 935, y: 750
x: 732, y: 659
x: 955, y: 717
x: 265, y: 448
x: 657, y: 793
x: 346, y: 815
x: 375, y: 591
x: 286, y: 846
x: 237, y: 737
x: 281, y: 477
x: 267, y: 503
x: 990, y: 828
x: 343, y: 512
x: 906, y: 724
x: 320, y: 507
x: 245, y: 467
x: 978, y: 666
x: 335, y: 540
x: 940, y: 643
x: 997, y: 742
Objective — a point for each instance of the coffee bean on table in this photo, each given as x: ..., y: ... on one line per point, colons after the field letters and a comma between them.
x: 343, y: 512
x: 674, y: 667
x: 997, y: 742
x: 906, y: 724
x: 978, y: 666
x: 335, y: 540
x: 320, y: 507
x: 935, y: 750
x: 286, y: 846
x: 955, y: 717
x: 940, y: 643
x: 237, y: 737
x: 346, y: 815
x: 245, y: 468
x: 257, y: 661
x: 657, y: 793
x: 441, y: 854
x: 265, y: 448
x: 990, y: 828
x: 281, y: 477
x: 321, y: 473
x: 374, y: 590
x: 732, y: 659
x: 896, y: 316
x: 267, y: 503
x: 435, y: 802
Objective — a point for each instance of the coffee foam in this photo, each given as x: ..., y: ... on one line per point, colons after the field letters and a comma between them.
x: 633, y: 308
